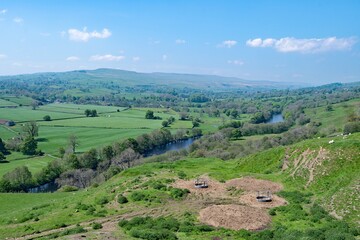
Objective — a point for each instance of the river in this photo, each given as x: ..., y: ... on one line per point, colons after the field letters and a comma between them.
x: 276, y: 118
x: 173, y: 146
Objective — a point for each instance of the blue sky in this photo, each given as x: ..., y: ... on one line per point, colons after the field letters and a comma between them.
x: 291, y: 41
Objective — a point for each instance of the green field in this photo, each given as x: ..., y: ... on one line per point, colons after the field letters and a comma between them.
x: 21, y: 100
x: 34, y: 164
x: 335, y: 118
x: 6, y: 103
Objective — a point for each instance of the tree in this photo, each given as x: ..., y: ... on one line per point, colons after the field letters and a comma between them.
x: 2, y: 156
x: 149, y: 114
x: 195, y: 124
x: 171, y: 120
x: 3, y: 149
x: 183, y: 116
x: 20, y: 178
x: 31, y: 129
x: 89, y: 159
x: 236, y: 133
x: 108, y: 152
x: 72, y: 161
x: 126, y: 158
x: 93, y: 113
x: 29, y: 146
x: 234, y: 113
x: 87, y: 112
x: 329, y: 108
x: 34, y: 104
x: 73, y: 142
x: 165, y: 123
x: 47, y: 118
x: 62, y: 151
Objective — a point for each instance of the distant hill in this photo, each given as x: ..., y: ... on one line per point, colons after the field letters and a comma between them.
x: 133, y: 79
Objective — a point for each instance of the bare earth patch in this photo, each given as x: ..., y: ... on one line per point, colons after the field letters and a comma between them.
x: 235, y: 217
x: 241, y: 211
x: 215, y: 189
x: 249, y: 198
x: 253, y: 184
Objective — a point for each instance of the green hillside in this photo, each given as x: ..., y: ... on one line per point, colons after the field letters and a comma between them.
x: 314, y: 175
x: 97, y: 79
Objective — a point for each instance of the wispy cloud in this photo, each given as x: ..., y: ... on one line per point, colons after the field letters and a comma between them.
x: 136, y: 59
x: 18, y: 20
x: 107, y: 57
x: 180, y: 41
x: 45, y: 34
x: 236, y: 62
x: 2, y: 56
x: 305, y: 45
x: 3, y: 11
x: 84, y: 35
x: 228, y: 43
x: 164, y: 57
x: 72, y: 59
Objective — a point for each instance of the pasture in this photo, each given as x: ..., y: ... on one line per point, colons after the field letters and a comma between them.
x: 15, y: 160
x: 335, y: 118
x: 18, y: 100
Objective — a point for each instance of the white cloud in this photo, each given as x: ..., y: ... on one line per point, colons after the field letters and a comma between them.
x: 2, y: 56
x: 136, y: 59
x: 72, y: 58
x: 164, y: 57
x: 228, y: 43
x: 180, y: 41
x: 306, y: 45
x: 84, y: 35
x: 18, y: 20
x: 236, y: 62
x: 3, y: 11
x: 107, y: 57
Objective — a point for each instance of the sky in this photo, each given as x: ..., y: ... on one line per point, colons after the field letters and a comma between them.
x: 306, y: 41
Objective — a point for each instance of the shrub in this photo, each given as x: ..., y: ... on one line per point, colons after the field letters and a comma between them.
x: 137, y: 196
x: 178, y: 193
x: 96, y: 225
x: 150, y: 234
x: 122, y: 199
x: 67, y: 188
x: 102, y: 200
x: 272, y: 212
x: 181, y: 175
x: 47, y: 118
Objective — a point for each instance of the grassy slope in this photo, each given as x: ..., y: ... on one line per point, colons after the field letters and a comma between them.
x: 342, y: 166
x: 336, y: 118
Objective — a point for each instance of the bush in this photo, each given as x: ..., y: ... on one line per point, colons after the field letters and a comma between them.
x: 67, y: 188
x: 96, y: 225
x: 178, y: 193
x: 150, y: 234
x: 138, y: 196
x: 181, y: 175
x: 122, y: 199
x: 102, y: 200
x: 272, y: 212
x: 47, y: 118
